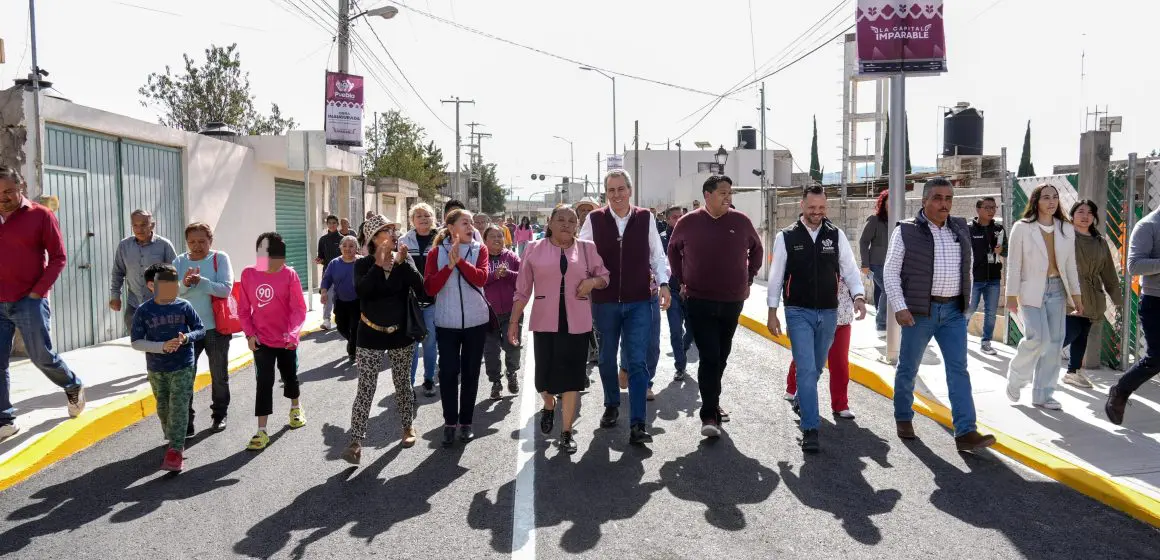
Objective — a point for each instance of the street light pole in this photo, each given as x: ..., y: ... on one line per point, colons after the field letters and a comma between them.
x: 571, y: 155
x: 38, y: 163
x: 615, y: 148
x: 344, y: 19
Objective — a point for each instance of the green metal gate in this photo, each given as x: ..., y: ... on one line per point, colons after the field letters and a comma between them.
x: 99, y: 180
x: 290, y: 221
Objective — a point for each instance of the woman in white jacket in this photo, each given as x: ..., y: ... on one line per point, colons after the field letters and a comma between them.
x: 1041, y: 273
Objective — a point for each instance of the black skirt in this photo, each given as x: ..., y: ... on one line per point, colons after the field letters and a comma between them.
x: 561, y: 361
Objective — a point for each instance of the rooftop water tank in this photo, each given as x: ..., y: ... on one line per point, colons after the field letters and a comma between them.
x: 963, y: 131
x: 747, y: 138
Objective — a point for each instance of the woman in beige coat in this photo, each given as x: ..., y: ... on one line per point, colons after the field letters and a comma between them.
x: 1041, y: 276
x: 1097, y: 275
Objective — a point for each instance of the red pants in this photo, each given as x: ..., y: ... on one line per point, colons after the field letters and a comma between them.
x: 839, y: 363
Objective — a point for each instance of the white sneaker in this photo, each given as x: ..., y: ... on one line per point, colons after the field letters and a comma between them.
x: 1077, y: 379
x: 326, y: 325
x: 8, y: 430
x: 788, y: 396
x: 845, y: 414
x: 76, y: 402
x: 1013, y: 393
x: 1049, y: 404
x: 986, y: 349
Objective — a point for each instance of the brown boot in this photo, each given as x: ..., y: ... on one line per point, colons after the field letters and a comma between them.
x: 409, y: 437
x: 973, y: 440
x: 353, y: 452
x: 1117, y: 402
x: 906, y: 429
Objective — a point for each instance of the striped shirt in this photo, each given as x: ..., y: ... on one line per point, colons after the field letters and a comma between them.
x: 946, y: 265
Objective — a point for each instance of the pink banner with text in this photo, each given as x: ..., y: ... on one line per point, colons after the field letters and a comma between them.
x: 900, y: 36
x: 344, y: 109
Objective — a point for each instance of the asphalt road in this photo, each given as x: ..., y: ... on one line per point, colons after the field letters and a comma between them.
x: 751, y: 494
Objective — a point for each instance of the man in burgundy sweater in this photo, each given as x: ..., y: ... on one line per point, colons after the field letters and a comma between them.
x: 630, y: 246
x: 28, y: 232
x: 716, y: 252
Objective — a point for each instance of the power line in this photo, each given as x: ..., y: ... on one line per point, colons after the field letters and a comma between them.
x: 408, y: 80
x: 552, y: 55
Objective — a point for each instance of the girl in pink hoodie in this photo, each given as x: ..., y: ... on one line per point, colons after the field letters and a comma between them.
x: 272, y: 309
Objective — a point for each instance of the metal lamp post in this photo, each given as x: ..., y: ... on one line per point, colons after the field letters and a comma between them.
x: 721, y: 157
x: 615, y: 149
x: 571, y: 155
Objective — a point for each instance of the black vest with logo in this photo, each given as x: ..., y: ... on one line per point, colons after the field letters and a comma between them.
x: 811, y: 267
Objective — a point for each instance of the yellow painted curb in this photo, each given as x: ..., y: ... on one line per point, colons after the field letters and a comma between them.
x: 1090, y: 483
x: 89, y: 428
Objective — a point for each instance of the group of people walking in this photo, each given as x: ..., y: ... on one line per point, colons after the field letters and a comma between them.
x: 457, y: 294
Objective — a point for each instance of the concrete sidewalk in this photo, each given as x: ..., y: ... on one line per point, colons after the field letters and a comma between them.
x: 1079, y: 437
x: 115, y: 379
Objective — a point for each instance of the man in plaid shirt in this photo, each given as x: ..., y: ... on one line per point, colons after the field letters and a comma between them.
x: 928, y: 282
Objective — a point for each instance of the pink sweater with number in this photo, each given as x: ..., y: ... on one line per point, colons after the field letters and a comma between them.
x: 272, y: 307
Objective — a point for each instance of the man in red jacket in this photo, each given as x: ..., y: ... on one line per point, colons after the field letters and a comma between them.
x: 29, y: 231
x: 716, y: 252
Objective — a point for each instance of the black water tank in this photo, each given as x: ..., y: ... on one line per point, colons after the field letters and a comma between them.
x: 747, y: 138
x: 963, y: 131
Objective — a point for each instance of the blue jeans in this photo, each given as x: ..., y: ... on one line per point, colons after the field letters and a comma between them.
x: 810, y: 331
x: 32, y: 318
x: 677, y: 333
x: 1075, y: 335
x: 1037, y: 356
x: 947, y: 325
x: 624, y: 330
x: 988, y: 291
x: 430, y: 348
x: 877, y: 273
x: 653, y: 359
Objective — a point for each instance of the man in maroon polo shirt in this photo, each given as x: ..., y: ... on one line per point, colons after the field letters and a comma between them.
x: 630, y: 246
x: 716, y: 252
x: 28, y: 232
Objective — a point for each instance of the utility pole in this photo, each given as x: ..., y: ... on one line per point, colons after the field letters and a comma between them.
x: 38, y: 162
x: 476, y: 162
x: 343, y: 36
x: 897, y: 208
x: 764, y: 197
x: 635, y: 160
x: 458, y: 193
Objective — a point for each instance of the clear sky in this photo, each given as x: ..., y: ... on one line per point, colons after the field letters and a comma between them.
x: 1017, y: 60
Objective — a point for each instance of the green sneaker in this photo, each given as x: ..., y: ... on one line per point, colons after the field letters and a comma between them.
x: 259, y: 441
x: 297, y: 417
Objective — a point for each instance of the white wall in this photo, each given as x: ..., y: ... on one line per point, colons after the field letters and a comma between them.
x: 667, y: 178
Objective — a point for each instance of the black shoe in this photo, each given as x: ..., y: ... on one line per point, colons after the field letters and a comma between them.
x: 219, y: 424
x: 465, y: 434
x: 448, y: 436
x: 810, y: 443
x: 1117, y: 402
x: 722, y: 415
x: 796, y: 404
x: 547, y: 420
x: 428, y: 388
x: 679, y: 376
x: 496, y: 388
x: 190, y: 430
x: 566, y: 443
x: 610, y: 416
x: 639, y: 435
x: 513, y: 383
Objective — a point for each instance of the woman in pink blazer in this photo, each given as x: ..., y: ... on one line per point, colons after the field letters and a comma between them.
x: 563, y: 271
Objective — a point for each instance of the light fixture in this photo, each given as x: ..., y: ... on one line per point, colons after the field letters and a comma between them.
x: 385, y: 12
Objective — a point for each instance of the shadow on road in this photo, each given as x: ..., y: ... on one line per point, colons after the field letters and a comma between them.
x: 78, y: 502
x: 700, y: 477
x: 57, y: 399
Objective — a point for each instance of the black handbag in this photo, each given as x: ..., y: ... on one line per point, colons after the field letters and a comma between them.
x: 415, y: 326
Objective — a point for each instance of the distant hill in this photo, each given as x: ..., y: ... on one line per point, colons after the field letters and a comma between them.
x: 836, y: 177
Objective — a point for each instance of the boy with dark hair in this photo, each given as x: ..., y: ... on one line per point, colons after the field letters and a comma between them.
x: 272, y: 310
x: 165, y: 328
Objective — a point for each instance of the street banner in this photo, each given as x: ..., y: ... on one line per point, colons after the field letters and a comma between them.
x: 615, y: 161
x: 900, y: 36
x: 344, y: 109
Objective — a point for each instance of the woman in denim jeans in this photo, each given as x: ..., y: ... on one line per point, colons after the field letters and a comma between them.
x: 872, y: 245
x: 1041, y: 275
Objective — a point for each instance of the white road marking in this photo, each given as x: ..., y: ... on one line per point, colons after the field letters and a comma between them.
x: 524, y: 514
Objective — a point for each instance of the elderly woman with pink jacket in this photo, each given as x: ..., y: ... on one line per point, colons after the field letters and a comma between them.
x: 562, y: 270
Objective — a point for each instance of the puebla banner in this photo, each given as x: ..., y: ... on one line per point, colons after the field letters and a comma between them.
x: 344, y: 109
x: 900, y: 36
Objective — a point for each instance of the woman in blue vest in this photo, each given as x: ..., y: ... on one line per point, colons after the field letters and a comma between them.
x: 1041, y: 275
x: 456, y: 273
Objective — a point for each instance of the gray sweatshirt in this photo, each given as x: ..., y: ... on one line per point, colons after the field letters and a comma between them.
x: 1144, y: 253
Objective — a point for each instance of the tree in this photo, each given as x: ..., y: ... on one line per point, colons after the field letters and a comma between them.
x: 494, y: 199
x: 397, y: 150
x: 815, y: 164
x: 218, y: 90
x: 886, y: 149
x: 1026, y: 168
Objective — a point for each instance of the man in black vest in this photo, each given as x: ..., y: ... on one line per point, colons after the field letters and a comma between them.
x: 628, y: 242
x: 928, y: 282
x: 808, y: 257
